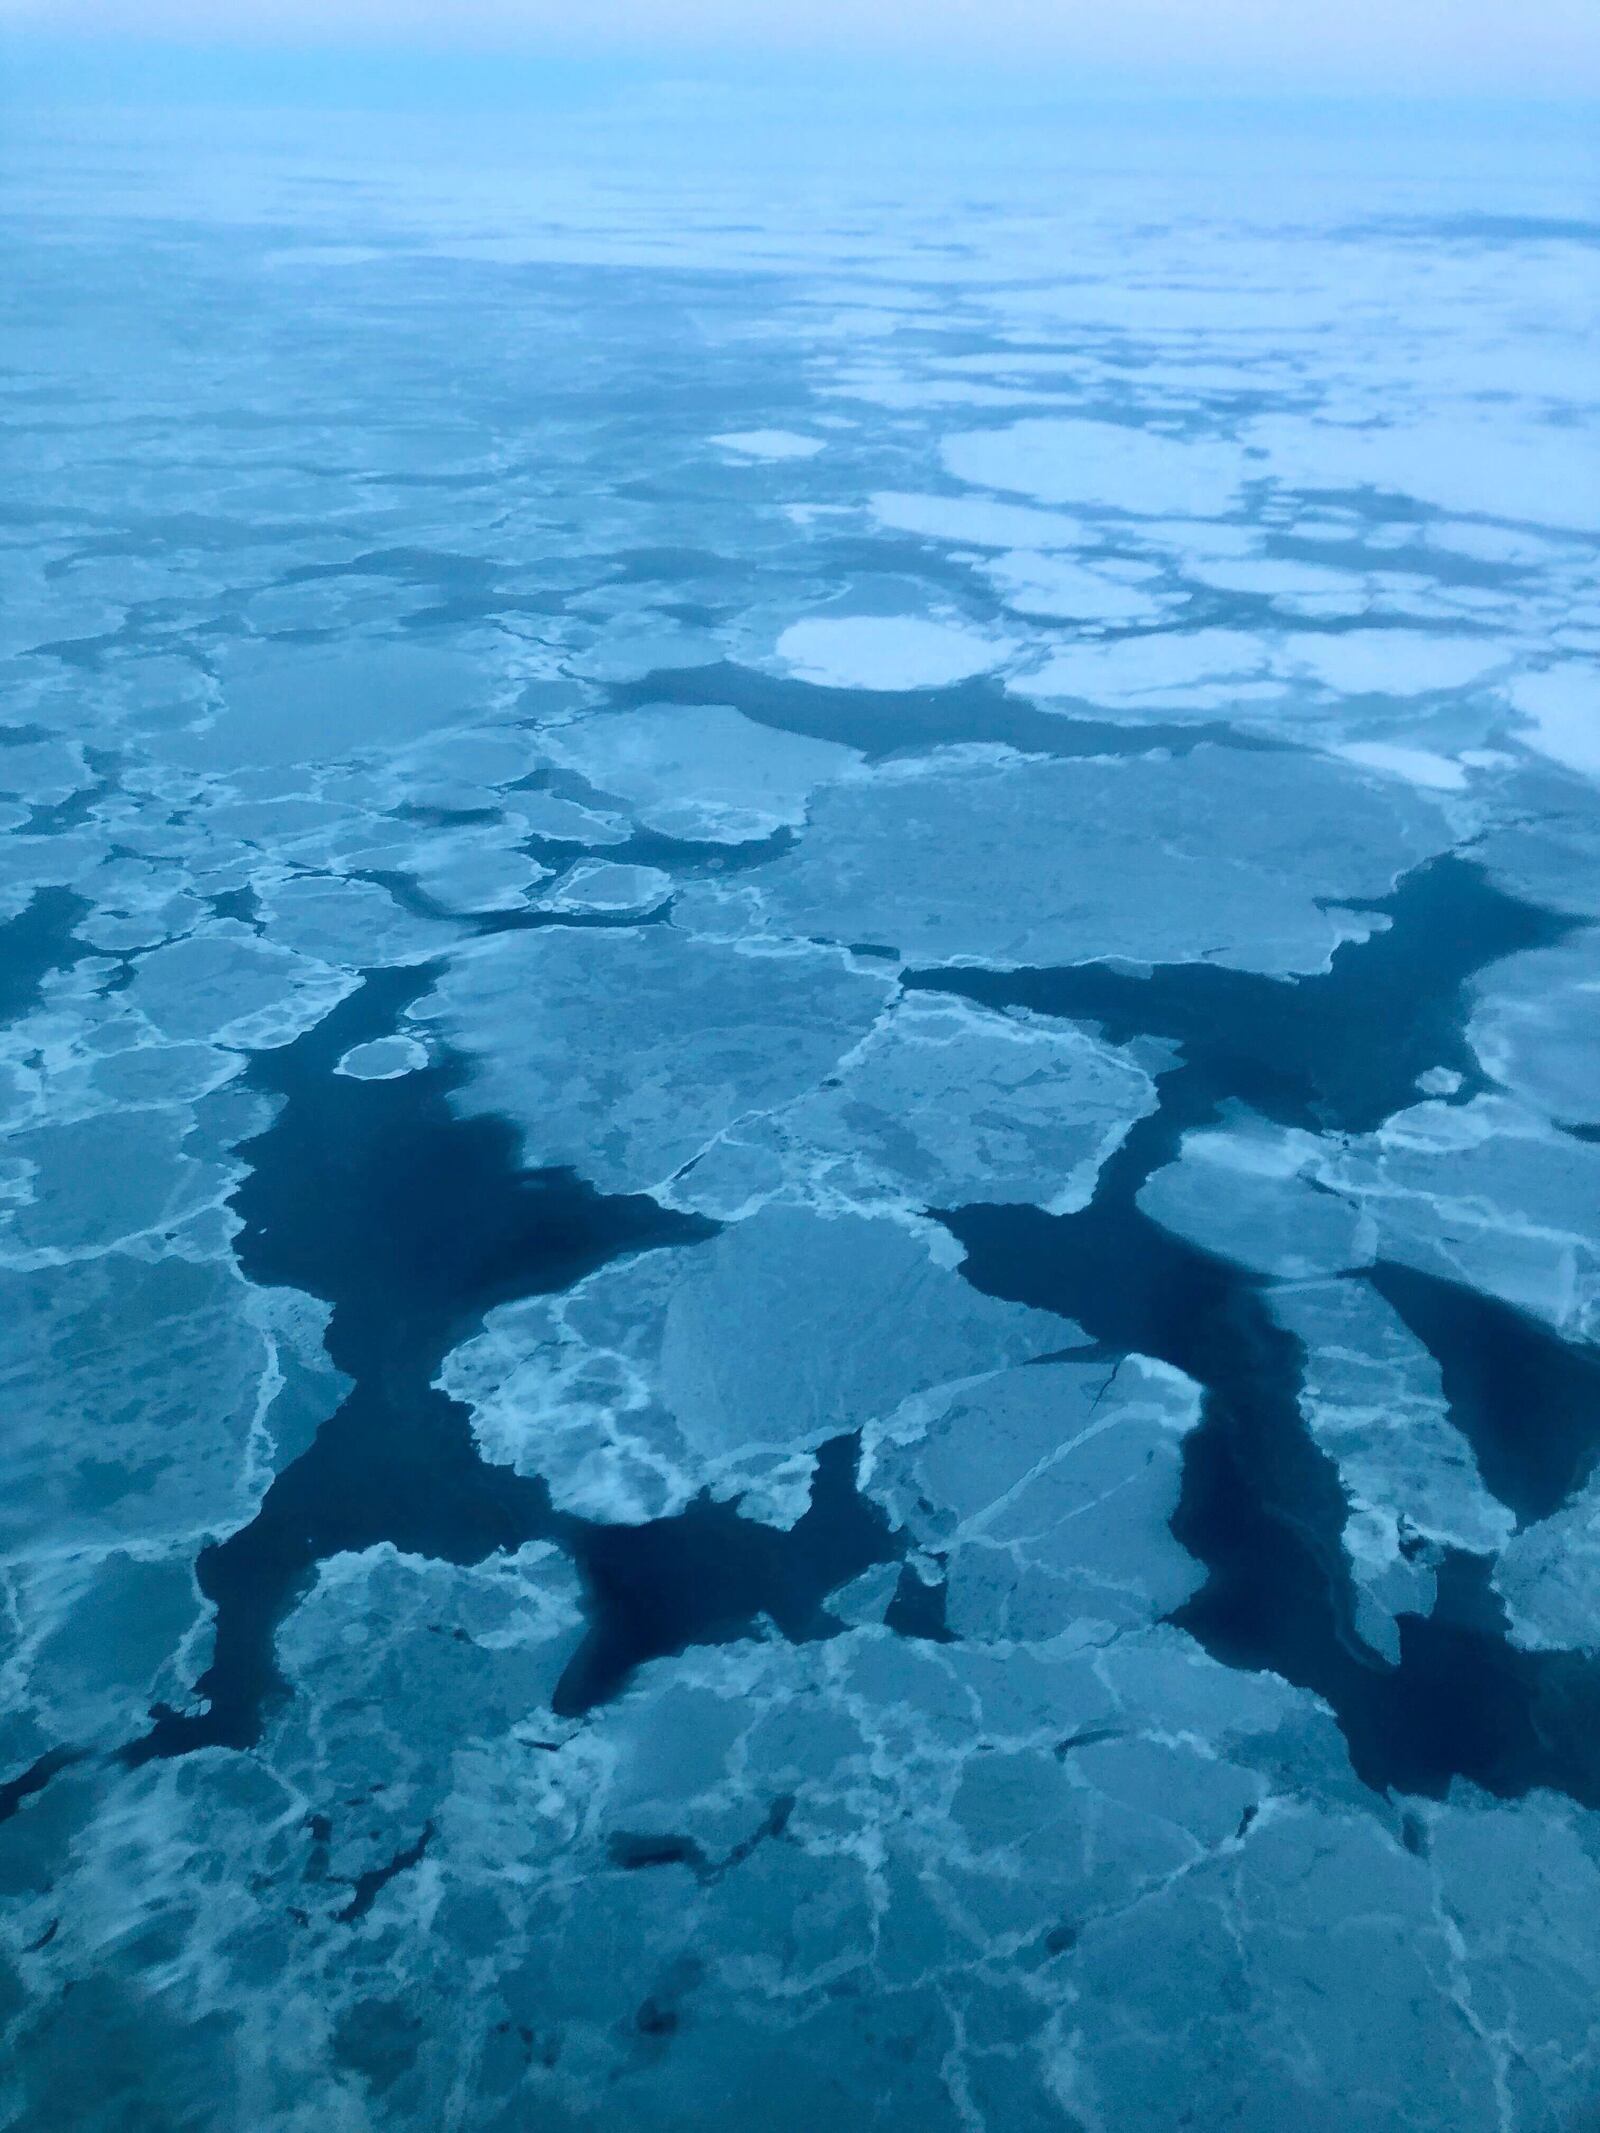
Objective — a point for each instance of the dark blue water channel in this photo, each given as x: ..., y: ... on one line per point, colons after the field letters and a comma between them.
x: 1262, y: 1508
x: 412, y: 1223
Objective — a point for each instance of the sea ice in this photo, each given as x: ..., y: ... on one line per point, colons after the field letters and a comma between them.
x: 941, y: 1104
x: 1536, y: 1027
x: 1101, y: 466
x: 887, y: 652
x: 702, y: 772
x: 769, y: 444
x: 1225, y: 855
x: 625, y: 1052
x: 725, y: 1365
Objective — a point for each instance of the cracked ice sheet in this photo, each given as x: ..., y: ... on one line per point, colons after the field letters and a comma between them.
x: 724, y: 1366
x: 625, y: 1052
x: 1485, y: 1193
x: 1226, y: 856
x: 1276, y: 684
x: 176, y: 1386
x: 1020, y: 1889
x: 940, y: 1105
x: 1047, y: 1495
x: 599, y: 885
x: 702, y: 772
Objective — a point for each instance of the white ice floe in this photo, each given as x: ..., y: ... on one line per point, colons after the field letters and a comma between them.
x: 384, y: 1059
x: 769, y: 444
x: 1058, y: 588
x: 969, y: 520
x: 1157, y: 673
x: 1418, y: 766
x: 1562, y: 705
x: 1538, y: 473
x: 1249, y: 1194
x: 887, y: 651
x: 1101, y: 466
x: 1389, y: 662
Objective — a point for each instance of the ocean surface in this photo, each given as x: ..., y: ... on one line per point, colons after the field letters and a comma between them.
x: 800, y: 1214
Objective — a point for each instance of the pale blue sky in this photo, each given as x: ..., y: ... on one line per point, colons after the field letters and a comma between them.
x: 1406, y: 47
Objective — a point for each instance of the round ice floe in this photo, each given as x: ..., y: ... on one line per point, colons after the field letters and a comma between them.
x: 384, y: 1059
x: 1389, y: 662
x: 602, y: 885
x: 887, y: 652
x: 476, y: 871
x: 354, y: 923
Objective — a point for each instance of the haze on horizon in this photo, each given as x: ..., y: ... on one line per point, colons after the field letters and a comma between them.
x: 1416, y: 48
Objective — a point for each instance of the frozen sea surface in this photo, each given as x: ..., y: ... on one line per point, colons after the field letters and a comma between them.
x: 800, y: 1227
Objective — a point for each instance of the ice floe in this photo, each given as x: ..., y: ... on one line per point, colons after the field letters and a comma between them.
x: 725, y: 1366
x: 887, y: 651
x: 701, y: 772
x: 1223, y: 855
